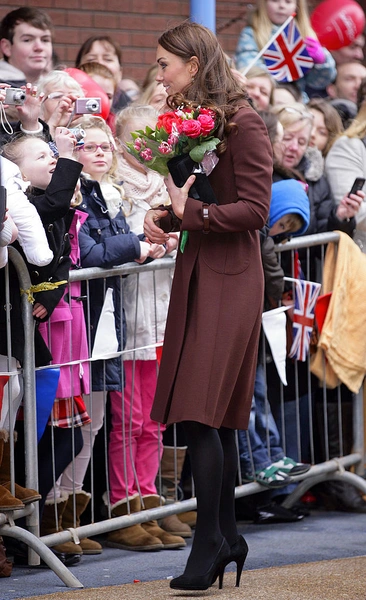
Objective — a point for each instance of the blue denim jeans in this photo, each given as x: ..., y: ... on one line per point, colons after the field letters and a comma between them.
x: 264, y: 438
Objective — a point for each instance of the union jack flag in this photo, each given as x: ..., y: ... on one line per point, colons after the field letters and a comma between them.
x: 287, y: 58
x: 306, y: 294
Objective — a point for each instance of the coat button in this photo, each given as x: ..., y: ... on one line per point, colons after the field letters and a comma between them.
x: 60, y: 259
x: 66, y: 236
x: 50, y: 227
x: 99, y: 231
x: 35, y: 273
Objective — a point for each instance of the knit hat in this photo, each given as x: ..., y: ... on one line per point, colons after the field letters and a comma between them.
x: 289, y: 196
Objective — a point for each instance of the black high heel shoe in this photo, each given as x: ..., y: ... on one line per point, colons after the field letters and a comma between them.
x: 203, y: 582
x: 238, y: 554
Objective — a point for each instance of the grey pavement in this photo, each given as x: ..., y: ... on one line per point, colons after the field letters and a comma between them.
x: 318, y: 537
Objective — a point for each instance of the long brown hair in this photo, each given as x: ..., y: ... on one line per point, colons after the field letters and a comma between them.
x: 332, y: 120
x: 214, y: 84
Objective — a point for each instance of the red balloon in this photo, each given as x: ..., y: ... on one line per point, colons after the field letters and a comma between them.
x: 337, y: 23
x: 91, y: 90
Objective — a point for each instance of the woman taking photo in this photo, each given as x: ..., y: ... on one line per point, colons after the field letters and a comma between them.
x: 209, y: 358
x: 295, y: 158
x: 347, y: 160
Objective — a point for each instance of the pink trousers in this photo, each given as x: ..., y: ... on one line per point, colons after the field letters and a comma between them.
x: 135, y: 444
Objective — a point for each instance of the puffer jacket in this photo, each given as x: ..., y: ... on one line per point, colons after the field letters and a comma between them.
x: 105, y: 242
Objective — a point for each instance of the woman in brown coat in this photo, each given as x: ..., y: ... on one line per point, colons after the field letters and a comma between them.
x: 209, y: 358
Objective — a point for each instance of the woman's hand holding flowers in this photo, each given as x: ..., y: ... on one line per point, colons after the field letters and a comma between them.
x: 179, y: 195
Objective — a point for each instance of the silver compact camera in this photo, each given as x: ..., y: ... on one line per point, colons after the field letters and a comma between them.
x: 79, y: 133
x: 89, y: 106
x: 14, y: 96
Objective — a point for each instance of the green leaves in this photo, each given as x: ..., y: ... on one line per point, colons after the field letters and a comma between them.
x: 197, y: 153
x: 185, y: 130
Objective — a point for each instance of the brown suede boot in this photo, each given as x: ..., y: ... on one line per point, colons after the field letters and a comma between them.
x: 189, y: 517
x: 168, y: 540
x: 49, y: 524
x: 25, y: 495
x: 133, y: 537
x: 7, y: 500
x: 82, y: 500
x: 171, y: 467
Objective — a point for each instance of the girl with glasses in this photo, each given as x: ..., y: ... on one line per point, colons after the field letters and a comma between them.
x: 105, y: 241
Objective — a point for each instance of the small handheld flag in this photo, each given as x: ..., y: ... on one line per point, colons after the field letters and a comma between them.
x: 306, y: 294
x: 287, y: 58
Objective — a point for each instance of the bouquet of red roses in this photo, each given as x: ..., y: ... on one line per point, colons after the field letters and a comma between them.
x: 185, y: 131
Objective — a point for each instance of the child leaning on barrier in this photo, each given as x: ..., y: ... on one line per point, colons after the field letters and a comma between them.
x: 105, y: 241
x: 52, y: 187
x: 262, y: 457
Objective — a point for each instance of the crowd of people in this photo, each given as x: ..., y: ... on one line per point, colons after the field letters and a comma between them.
x: 288, y: 156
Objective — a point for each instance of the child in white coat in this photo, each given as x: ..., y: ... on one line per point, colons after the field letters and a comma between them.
x: 135, y: 444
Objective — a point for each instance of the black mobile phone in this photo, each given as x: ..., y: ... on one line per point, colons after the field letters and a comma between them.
x: 358, y: 184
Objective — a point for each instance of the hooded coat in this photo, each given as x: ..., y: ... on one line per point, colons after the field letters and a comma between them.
x: 211, y: 339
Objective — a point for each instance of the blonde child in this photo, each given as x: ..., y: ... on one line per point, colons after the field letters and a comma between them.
x: 146, y: 299
x: 267, y: 17
x: 105, y: 241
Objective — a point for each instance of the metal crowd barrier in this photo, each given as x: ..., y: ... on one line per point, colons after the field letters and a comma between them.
x: 336, y: 468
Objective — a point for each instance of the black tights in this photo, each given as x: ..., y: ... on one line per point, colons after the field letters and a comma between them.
x: 213, y: 458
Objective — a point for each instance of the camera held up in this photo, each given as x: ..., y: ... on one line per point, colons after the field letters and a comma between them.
x: 14, y: 96
x: 88, y: 106
x: 79, y: 133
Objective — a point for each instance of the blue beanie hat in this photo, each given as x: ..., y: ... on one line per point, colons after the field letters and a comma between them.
x: 289, y: 196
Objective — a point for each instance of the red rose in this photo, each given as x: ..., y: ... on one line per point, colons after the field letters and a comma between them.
x: 207, y: 123
x: 167, y: 120
x: 207, y: 111
x: 192, y: 128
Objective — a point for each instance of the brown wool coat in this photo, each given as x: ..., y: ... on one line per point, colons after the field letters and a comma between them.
x: 211, y: 340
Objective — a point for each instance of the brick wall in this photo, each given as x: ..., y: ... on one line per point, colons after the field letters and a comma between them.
x: 135, y: 24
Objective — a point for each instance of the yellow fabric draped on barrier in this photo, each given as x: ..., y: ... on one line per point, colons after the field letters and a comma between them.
x: 343, y: 337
